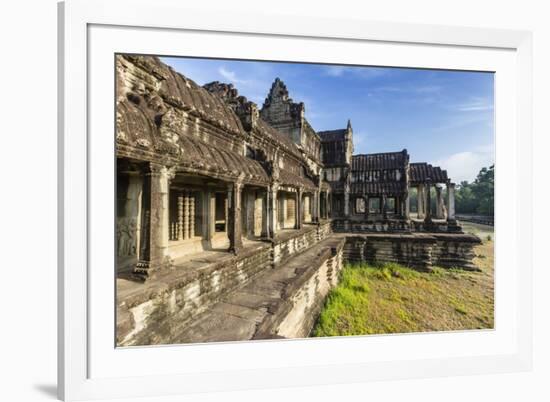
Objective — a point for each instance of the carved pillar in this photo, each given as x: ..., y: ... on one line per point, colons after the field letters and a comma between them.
x: 191, y: 215
x: 451, y: 202
x: 185, y: 196
x: 133, y: 211
x: 155, y: 220
x: 273, y: 209
x: 266, y: 213
x: 298, y: 209
x: 180, y: 216
x: 428, y: 218
x: 234, y: 192
x: 366, y: 207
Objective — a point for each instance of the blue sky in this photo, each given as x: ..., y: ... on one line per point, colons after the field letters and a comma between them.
x: 441, y: 117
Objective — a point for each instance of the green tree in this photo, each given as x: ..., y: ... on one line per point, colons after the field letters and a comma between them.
x: 479, y: 196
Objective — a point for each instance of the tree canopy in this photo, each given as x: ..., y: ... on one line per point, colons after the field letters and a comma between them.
x: 477, y: 197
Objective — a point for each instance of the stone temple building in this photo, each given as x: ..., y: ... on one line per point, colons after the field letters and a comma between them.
x: 233, y: 221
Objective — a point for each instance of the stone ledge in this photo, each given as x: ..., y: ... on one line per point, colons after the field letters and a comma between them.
x: 255, y: 310
x: 132, y: 293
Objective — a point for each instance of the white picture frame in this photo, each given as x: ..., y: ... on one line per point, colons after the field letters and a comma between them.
x: 88, y: 367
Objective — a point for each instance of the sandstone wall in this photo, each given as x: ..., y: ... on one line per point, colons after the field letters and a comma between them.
x: 419, y: 251
x: 156, y: 311
x: 309, y: 295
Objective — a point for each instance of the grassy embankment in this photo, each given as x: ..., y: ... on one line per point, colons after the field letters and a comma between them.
x: 395, y: 299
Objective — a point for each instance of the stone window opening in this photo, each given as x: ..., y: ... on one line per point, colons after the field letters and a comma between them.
x: 375, y: 204
x: 221, y: 212
x: 184, y: 214
x: 286, y: 210
x: 252, y: 211
x: 360, y: 205
x: 391, y: 205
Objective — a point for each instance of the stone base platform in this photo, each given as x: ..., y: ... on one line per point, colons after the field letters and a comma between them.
x: 280, y: 302
x: 273, y: 289
x: 393, y: 225
x: 416, y: 250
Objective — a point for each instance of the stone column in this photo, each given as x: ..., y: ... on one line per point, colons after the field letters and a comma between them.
x: 346, y: 202
x: 428, y: 218
x: 266, y: 213
x: 316, y: 205
x: 451, y: 202
x: 298, y: 209
x: 181, y: 218
x: 234, y: 192
x: 191, y: 215
x: 384, y: 207
x: 406, y: 207
x: 133, y: 210
x: 155, y: 220
x: 440, y: 203
x: 420, y: 201
x: 209, y: 216
x: 273, y: 209
x: 185, y: 197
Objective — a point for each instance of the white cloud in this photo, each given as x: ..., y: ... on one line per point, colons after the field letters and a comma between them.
x: 410, y: 88
x: 231, y: 76
x: 466, y: 165
x: 335, y: 71
x: 362, y: 72
x: 474, y: 105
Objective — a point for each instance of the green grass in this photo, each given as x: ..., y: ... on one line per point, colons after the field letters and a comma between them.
x: 394, y: 299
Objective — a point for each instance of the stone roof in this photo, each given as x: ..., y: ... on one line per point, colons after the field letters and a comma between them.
x: 380, y: 161
x: 241, y: 106
x: 332, y: 135
x: 204, y: 156
x: 282, y: 140
x: 290, y: 179
x: 421, y: 172
x: 379, y: 188
x: 181, y: 92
